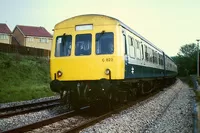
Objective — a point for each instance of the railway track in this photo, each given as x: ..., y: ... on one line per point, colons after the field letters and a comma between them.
x: 48, y: 121
x: 26, y: 108
x: 141, y: 100
x: 114, y: 111
x: 94, y: 120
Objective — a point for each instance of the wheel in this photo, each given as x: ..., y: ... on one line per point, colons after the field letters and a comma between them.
x: 133, y: 94
x: 110, y: 101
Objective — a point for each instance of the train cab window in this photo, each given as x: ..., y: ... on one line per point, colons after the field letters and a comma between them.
x: 83, y: 44
x: 63, y: 46
x: 104, y: 43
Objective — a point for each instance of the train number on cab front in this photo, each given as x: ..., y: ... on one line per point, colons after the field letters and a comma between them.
x: 107, y: 60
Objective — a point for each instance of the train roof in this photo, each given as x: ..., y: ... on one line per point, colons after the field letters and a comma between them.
x: 123, y: 25
x: 169, y: 58
x: 137, y: 34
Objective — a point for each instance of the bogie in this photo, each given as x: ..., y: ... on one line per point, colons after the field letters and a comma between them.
x: 106, y: 94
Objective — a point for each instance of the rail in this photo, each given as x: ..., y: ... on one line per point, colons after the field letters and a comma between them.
x: 114, y: 111
x: 26, y: 108
x: 48, y: 121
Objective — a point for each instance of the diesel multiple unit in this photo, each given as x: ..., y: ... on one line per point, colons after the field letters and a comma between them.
x: 99, y: 58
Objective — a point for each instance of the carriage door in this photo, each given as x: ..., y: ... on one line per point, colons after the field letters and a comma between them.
x: 142, y: 54
x: 124, y: 42
x: 142, y: 59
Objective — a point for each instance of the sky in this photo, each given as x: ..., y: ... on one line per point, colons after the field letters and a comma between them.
x: 168, y: 24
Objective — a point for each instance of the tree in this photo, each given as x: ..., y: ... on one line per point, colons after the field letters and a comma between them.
x: 188, y: 50
x: 186, y: 59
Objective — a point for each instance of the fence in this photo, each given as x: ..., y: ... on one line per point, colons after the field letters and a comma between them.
x: 7, y: 48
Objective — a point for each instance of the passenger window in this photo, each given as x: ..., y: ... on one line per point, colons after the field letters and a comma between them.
x: 138, y: 49
x: 155, y: 57
x: 146, y: 54
x: 131, y: 47
x: 63, y: 46
x: 151, y: 55
x: 134, y: 47
x: 83, y: 44
x: 142, y: 52
x: 104, y: 43
x: 161, y: 60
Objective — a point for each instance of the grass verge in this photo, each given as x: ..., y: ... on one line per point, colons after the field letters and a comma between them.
x: 23, y: 78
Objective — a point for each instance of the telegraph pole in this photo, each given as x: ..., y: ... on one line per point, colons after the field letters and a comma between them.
x: 198, y: 57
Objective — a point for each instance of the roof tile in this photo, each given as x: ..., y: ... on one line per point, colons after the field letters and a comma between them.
x: 34, y: 31
x: 4, y: 29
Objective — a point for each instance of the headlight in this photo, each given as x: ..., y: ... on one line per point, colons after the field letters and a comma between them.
x: 59, y: 73
x: 107, y: 71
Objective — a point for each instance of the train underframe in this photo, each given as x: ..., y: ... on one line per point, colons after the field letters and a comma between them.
x: 106, y: 92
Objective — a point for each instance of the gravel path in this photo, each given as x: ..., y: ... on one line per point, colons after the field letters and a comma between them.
x: 169, y: 112
x: 4, y: 105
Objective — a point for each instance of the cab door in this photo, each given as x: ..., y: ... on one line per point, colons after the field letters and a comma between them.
x: 126, y: 63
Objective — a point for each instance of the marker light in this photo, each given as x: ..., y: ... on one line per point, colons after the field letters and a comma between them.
x: 107, y: 71
x: 59, y: 73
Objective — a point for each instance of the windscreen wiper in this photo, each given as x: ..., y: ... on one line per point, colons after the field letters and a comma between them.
x: 63, y: 39
x: 102, y: 33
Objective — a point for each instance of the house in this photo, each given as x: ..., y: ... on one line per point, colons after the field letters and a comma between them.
x: 5, y: 34
x: 31, y: 36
